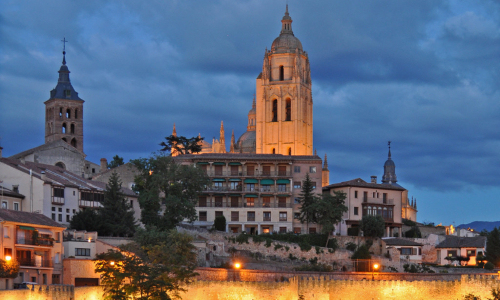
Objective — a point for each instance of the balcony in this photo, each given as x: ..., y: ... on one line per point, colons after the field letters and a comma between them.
x: 34, y: 262
x: 367, y: 200
x: 29, y: 239
x: 88, y: 203
x: 58, y: 200
x: 249, y: 173
x: 256, y: 204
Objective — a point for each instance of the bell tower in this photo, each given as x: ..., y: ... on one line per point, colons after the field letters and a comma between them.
x: 284, y: 100
x: 64, y: 111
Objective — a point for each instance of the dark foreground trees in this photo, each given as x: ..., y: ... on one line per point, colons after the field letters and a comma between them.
x: 373, y: 226
x: 167, y: 187
x: 155, y: 266
x: 182, y: 144
x: 493, y: 247
x: 329, y: 211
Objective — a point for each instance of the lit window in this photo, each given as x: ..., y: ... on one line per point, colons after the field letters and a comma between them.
x: 312, y: 169
x: 5, y: 205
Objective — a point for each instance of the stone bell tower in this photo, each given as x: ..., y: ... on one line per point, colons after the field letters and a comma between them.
x: 284, y: 99
x: 64, y: 111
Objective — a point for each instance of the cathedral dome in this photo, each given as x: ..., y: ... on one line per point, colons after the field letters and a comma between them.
x: 246, y: 142
x: 285, y: 43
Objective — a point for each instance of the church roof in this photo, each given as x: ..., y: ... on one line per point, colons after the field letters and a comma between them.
x: 64, y: 89
x: 358, y: 182
x: 51, y: 145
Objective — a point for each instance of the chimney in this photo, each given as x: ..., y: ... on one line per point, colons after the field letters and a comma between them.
x: 104, y: 164
x: 1, y: 151
x: 43, y: 176
x: 374, y: 179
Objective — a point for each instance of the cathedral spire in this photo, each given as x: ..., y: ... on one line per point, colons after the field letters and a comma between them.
x: 389, y: 169
x: 231, y: 147
x: 325, y: 165
x: 174, y: 132
x: 286, y: 23
x: 222, y: 140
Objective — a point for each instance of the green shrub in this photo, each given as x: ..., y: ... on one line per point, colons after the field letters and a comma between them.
x: 220, y: 223
x: 489, y: 266
x: 351, y: 246
x: 318, y: 250
x: 362, y: 252
x: 305, y: 246
x: 353, y: 231
x: 287, y: 248
x: 277, y: 246
x: 242, y: 238
x: 268, y: 243
x: 333, y: 244
x: 258, y: 239
x: 313, y: 261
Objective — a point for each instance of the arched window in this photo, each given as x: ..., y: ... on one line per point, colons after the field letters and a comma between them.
x: 288, y: 108
x: 275, y: 110
x: 64, y: 128
x: 274, y: 150
x: 76, y: 113
x: 64, y: 139
x: 72, y: 128
x: 60, y: 112
x: 60, y: 165
x: 282, y: 73
x: 73, y: 142
x: 289, y: 151
x: 68, y: 113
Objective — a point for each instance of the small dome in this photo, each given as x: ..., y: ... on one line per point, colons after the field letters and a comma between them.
x: 389, y: 162
x: 246, y: 142
x: 286, y: 42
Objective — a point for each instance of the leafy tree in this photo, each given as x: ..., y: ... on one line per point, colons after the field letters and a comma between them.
x: 116, y: 162
x: 363, y: 252
x: 86, y: 219
x: 329, y: 209
x: 414, y: 232
x: 220, y: 223
x: 373, y: 226
x: 493, y: 247
x: 166, y: 262
x: 168, y: 187
x: 182, y: 144
x: 307, y: 199
x: 495, y: 292
x: 484, y: 232
x: 116, y: 213
x: 9, y: 269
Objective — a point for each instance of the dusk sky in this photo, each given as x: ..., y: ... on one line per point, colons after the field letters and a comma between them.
x: 422, y: 74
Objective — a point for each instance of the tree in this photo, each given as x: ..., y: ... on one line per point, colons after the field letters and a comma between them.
x: 373, y: 226
x: 165, y: 262
x: 308, y: 201
x: 493, y: 247
x: 220, y: 223
x: 414, y: 232
x: 116, y: 213
x: 168, y: 187
x: 9, y: 269
x: 86, y: 219
x: 329, y: 209
x: 182, y: 144
x: 116, y: 162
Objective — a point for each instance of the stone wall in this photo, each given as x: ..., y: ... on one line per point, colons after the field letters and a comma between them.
x: 78, y: 268
x: 41, y: 292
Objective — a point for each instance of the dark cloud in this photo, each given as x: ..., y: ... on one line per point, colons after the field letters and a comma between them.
x: 423, y: 74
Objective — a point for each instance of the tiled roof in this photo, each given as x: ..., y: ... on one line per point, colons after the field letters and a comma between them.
x: 400, y: 242
x: 27, y: 217
x: 6, y: 192
x: 358, y: 182
x: 59, y: 176
x: 54, y: 144
x: 244, y: 156
x: 452, y: 241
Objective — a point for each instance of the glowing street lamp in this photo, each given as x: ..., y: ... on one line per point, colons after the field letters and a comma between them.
x: 375, y: 268
x: 237, y: 265
x: 8, y: 258
x: 112, y: 263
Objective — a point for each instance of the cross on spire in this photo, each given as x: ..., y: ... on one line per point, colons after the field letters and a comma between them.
x: 64, y: 50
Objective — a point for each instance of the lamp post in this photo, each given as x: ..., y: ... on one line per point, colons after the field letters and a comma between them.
x: 236, y: 266
x: 375, y: 268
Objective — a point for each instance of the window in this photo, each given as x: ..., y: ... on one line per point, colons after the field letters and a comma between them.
x: 218, y: 170
x: 296, y: 215
x: 266, y: 202
x: 250, y: 202
x: 406, y: 251
x: 313, y: 185
x: 202, y: 202
x: 296, y: 230
x: 235, y: 186
x: 452, y: 253
x: 7, y: 252
x: 281, y: 187
x: 234, y: 201
x: 266, y: 230
x: 218, y: 201
x: 67, y: 218
x: 53, y: 208
x: 251, y: 216
x: 312, y: 169
x: 60, y: 209
x: 235, y: 216
x: 54, y: 217
x: 275, y: 111
x: 283, y: 216
x: 282, y: 229
x: 267, y: 216
x: 250, y: 187
x: 234, y: 170
x: 312, y: 230
x: 288, y: 109
x: 59, y: 192
x: 266, y: 170
x: 60, y: 112
x: 202, y: 216
x: 72, y: 129
x: 365, y: 196
x: 265, y: 188
x: 219, y: 214
x: 6, y: 232
x: 296, y: 185
x: 355, y: 194
x: 281, y: 201
x: 384, y: 197
x: 471, y: 253
x: 76, y: 113
x: 217, y: 186
x: 132, y: 203
x: 5, y: 205
x: 282, y: 73
x: 82, y: 251
x: 16, y: 206
x: 58, y: 237
x: 356, y: 211
x: 296, y: 200
x: 60, y: 218
x: 67, y: 210
x: 64, y: 128
x: 68, y: 94
x: 296, y: 169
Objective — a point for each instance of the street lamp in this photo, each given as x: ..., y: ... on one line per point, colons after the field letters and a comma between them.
x: 375, y: 268
x: 8, y: 258
x: 112, y: 263
x: 237, y: 265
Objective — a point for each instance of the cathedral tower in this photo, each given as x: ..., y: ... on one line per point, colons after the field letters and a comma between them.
x: 64, y: 111
x: 389, y: 169
x: 284, y: 99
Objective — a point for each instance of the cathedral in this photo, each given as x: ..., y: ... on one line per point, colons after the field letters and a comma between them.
x: 280, y: 120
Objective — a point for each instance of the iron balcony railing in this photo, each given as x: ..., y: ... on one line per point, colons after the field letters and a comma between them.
x: 260, y: 173
x: 245, y: 204
x: 32, y: 262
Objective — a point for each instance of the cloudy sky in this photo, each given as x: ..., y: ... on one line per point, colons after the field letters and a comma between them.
x: 423, y: 74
